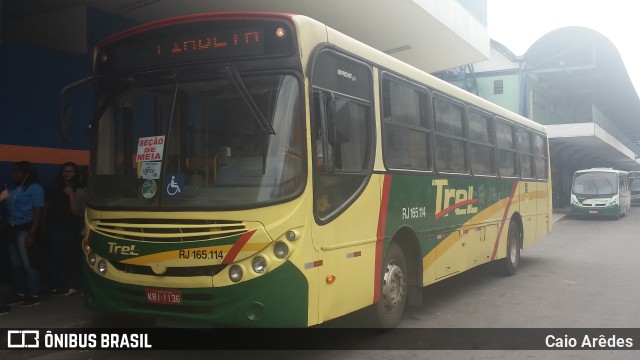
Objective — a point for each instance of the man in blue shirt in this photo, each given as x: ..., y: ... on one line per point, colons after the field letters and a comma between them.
x: 24, y: 204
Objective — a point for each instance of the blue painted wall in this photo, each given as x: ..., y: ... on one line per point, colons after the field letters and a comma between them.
x: 31, y: 78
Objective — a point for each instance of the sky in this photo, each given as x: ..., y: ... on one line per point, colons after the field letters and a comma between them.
x: 517, y: 24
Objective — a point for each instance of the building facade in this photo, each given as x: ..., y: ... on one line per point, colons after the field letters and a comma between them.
x: 572, y: 80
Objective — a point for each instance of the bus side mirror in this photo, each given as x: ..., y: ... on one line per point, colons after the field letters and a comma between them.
x: 65, y: 110
x: 65, y: 123
x: 342, y: 117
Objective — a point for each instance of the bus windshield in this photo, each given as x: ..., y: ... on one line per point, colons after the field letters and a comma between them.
x: 198, y: 144
x: 595, y: 183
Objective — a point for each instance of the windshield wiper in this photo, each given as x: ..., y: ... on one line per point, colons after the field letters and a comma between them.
x: 246, y: 96
x: 121, y: 83
x: 611, y: 186
x: 595, y: 186
x: 100, y: 111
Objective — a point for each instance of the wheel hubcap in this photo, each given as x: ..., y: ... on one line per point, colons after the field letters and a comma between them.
x: 393, y: 287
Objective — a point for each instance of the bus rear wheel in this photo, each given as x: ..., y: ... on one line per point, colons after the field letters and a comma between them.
x: 387, y: 313
x: 511, y: 262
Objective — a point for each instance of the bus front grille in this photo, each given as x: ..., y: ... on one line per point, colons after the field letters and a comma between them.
x: 189, y: 271
x: 166, y: 230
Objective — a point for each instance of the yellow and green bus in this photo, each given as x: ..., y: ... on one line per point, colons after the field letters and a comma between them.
x: 600, y: 192
x: 265, y: 170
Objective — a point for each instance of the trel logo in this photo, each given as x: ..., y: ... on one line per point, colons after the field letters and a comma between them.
x: 449, y: 199
x: 114, y: 248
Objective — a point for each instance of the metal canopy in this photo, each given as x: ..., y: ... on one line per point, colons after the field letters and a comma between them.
x: 585, y: 65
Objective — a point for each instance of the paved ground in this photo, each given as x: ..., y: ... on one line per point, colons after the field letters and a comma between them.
x: 559, y: 214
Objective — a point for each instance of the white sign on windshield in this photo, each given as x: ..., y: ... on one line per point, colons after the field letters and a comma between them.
x: 150, y: 169
x: 150, y: 148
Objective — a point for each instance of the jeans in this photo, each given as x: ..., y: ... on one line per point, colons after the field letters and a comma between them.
x: 4, y: 295
x: 26, y: 278
x: 64, y: 245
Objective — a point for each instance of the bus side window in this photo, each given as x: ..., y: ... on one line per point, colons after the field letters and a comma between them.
x: 323, y: 149
x: 451, y: 137
x: 525, y: 153
x: 406, y: 132
x: 343, y: 119
x: 481, y: 142
x: 507, y: 154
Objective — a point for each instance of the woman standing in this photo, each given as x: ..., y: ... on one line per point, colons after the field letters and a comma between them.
x: 65, y: 201
x: 24, y: 204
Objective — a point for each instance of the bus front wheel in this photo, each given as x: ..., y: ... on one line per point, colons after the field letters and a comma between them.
x: 387, y: 312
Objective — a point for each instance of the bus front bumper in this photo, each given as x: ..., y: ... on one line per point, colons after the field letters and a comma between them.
x: 579, y: 210
x: 278, y: 298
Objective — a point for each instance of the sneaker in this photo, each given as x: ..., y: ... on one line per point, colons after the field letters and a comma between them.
x: 17, y: 299
x: 30, y: 301
x: 64, y: 291
x: 4, y: 310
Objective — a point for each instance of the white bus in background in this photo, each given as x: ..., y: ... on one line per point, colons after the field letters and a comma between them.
x: 600, y: 192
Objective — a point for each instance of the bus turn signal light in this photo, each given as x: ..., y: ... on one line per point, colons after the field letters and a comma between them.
x: 330, y: 279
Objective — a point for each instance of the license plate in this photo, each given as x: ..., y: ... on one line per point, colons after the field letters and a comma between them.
x: 593, y: 211
x: 163, y: 296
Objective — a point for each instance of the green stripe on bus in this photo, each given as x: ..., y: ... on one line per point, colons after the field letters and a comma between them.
x: 436, y: 205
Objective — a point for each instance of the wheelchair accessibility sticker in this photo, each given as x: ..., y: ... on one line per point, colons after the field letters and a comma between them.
x: 173, y: 185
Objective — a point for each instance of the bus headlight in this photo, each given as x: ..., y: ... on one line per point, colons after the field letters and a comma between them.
x: 259, y: 264
x: 92, y: 258
x: 235, y: 273
x: 613, y: 200
x: 290, y: 235
x: 280, y: 250
x: 102, y: 267
x: 574, y: 200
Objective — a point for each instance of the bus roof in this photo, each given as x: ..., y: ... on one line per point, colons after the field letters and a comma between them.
x: 387, y: 62
x: 602, y: 170
x: 355, y: 47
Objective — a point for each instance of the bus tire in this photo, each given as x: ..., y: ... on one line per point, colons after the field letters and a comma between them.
x: 512, y: 260
x: 388, y: 311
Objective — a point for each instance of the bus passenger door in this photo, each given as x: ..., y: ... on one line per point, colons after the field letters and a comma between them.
x: 346, y: 199
x: 346, y: 195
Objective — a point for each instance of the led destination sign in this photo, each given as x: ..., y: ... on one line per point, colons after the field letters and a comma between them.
x: 248, y: 42
x: 188, y: 44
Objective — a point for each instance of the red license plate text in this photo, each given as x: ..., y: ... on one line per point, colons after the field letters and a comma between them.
x: 163, y: 296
